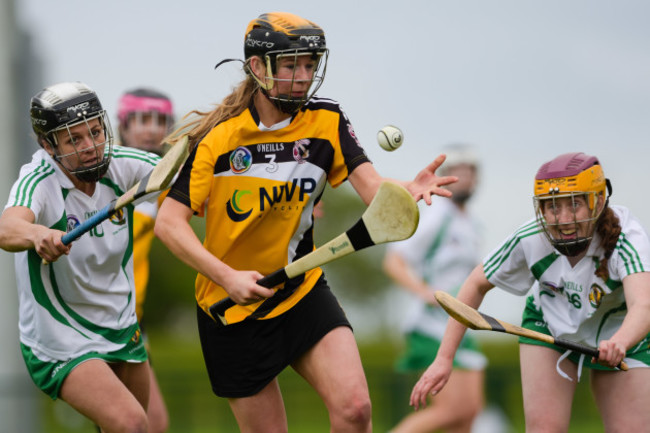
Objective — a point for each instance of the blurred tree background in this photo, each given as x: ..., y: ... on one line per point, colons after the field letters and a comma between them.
x: 360, y: 285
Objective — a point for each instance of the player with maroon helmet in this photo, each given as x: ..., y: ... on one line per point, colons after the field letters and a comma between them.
x: 586, y: 265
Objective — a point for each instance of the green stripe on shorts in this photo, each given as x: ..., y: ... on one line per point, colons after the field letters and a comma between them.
x: 49, y: 376
x: 533, y: 319
x: 421, y: 350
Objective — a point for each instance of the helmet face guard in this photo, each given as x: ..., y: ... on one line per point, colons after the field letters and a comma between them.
x: 285, y: 101
x: 579, y: 231
x: 101, y: 136
x: 569, y: 199
x: 56, y: 111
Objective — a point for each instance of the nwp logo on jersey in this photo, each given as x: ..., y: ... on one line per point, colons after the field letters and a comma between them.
x: 233, y: 206
x: 288, y: 197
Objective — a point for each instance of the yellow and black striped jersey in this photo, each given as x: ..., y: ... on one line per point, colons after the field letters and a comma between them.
x: 257, y: 187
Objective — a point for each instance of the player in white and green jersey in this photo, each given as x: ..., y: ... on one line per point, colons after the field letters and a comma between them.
x: 586, y: 265
x: 78, y: 329
x: 439, y: 256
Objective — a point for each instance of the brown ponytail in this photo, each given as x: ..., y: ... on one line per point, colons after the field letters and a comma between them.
x: 609, y: 229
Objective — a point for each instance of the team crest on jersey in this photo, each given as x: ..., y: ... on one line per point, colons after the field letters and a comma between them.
x: 301, y: 150
x: 550, y: 287
x: 596, y: 295
x: 72, y: 222
x: 118, y: 218
x: 234, y: 206
x: 136, y: 337
x: 241, y: 160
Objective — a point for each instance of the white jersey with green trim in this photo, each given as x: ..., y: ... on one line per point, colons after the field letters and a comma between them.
x: 83, y: 302
x: 576, y: 304
x: 444, y: 250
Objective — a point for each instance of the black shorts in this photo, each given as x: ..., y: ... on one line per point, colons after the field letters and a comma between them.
x: 244, y: 357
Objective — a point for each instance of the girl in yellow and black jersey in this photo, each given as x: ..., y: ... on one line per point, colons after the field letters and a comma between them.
x: 263, y: 158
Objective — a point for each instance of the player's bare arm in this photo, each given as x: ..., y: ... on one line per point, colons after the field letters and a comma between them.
x: 437, y: 374
x: 366, y: 181
x: 18, y: 233
x: 405, y: 276
x: 636, y: 324
x: 173, y: 228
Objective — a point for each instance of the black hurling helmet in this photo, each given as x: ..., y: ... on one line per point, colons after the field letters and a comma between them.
x: 277, y: 35
x: 62, y: 106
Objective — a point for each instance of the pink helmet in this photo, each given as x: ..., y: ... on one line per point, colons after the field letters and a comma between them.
x: 142, y: 101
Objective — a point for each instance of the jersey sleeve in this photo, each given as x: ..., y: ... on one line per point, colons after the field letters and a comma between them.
x: 192, y: 186
x: 506, y: 266
x: 632, y: 252
x: 351, y: 152
x: 33, y: 190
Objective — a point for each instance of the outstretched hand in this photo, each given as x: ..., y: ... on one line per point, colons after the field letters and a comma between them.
x: 431, y: 382
x: 427, y: 183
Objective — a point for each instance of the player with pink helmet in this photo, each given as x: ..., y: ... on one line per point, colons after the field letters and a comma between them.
x: 145, y: 116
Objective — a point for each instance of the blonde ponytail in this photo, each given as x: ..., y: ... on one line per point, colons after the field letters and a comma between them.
x: 199, y: 123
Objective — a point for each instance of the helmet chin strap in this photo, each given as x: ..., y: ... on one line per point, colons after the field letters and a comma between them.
x: 287, y: 107
x: 572, y: 248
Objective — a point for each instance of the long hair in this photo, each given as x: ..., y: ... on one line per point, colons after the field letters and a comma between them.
x: 196, y: 124
x: 609, y: 229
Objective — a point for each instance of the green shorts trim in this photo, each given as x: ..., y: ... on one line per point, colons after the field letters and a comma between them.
x: 421, y: 350
x: 49, y: 376
x: 533, y: 319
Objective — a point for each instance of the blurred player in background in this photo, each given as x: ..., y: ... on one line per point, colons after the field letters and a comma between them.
x: 79, y: 332
x: 263, y: 159
x: 145, y: 116
x: 587, y: 266
x: 439, y: 256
